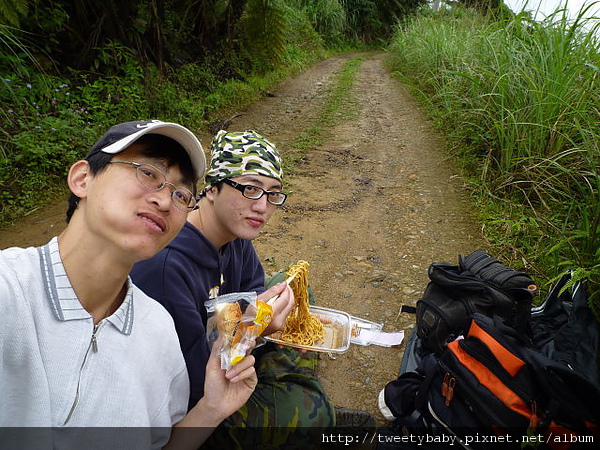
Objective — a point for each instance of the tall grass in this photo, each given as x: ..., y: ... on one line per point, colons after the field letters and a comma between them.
x: 519, y: 101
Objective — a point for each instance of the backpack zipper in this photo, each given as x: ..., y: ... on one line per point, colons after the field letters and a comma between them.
x: 448, y: 387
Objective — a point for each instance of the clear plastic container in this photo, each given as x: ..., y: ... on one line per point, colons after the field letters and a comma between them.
x: 337, y: 331
x: 363, y: 331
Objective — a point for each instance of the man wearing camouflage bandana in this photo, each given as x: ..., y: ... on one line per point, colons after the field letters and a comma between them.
x: 213, y: 255
x: 245, y: 153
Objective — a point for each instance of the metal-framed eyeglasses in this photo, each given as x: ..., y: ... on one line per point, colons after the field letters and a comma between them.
x: 154, y: 179
x: 254, y: 192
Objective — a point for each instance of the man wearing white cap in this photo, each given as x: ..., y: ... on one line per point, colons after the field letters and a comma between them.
x: 81, y: 345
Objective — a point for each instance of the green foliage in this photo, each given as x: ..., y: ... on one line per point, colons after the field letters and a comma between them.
x: 328, y: 17
x: 47, y: 23
x: 15, y: 57
x: 33, y: 164
x: 111, y: 98
x: 301, y: 38
x: 364, y: 21
x: 263, y: 29
x: 375, y: 20
x: 11, y: 11
x: 518, y: 100
x: 115, y: 59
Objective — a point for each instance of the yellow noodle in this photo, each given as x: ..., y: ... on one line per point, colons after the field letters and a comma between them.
x: 301, y: 327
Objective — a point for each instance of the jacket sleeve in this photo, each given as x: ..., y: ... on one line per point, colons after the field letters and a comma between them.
x: 173, y: 282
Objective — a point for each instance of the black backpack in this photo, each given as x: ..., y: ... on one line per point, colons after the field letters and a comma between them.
x: 479, y: 283
x: 565, y: 328
x: 490, y: 388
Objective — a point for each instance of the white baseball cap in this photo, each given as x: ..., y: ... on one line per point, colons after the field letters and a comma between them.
x: 121, y: 136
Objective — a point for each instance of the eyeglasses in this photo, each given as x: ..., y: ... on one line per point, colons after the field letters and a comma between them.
x: 254, y: 192
x: 152, y: 178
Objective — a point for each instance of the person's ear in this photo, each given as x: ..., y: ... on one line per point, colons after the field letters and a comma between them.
x: 78, y: 178
x: 211, y: 192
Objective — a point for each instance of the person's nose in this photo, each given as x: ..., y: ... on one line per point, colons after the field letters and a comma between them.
x: 162, y: 198
x: 261, y: 204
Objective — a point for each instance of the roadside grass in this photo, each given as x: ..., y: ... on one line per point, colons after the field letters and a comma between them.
x: 518, y: 100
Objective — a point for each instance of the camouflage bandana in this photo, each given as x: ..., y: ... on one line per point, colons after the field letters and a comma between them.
x: 242, y: 153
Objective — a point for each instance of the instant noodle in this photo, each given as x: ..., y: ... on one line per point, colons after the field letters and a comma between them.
x: 301, y: 327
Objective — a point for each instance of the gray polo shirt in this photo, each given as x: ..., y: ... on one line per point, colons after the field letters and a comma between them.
x: 59, y: 370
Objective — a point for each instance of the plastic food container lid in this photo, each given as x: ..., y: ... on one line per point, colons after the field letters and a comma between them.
x: 362, y: 330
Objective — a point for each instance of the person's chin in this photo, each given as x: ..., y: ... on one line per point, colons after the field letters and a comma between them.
x: 148, y: 249
x: 251, y: 234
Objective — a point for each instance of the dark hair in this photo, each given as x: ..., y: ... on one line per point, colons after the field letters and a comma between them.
x: 218, y: 185
x: 153, y: 146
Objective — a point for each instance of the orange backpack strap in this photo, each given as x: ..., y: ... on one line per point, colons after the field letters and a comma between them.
x: 488, y: 379
x: 509, y: 361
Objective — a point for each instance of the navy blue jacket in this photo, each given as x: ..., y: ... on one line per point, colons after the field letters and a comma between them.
x: 182, y: 276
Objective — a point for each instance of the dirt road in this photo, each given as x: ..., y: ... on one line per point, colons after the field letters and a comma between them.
x: 369, y: 209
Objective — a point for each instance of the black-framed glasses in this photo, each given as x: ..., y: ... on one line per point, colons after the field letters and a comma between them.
x: 254, y: 192
x: 154, y: 179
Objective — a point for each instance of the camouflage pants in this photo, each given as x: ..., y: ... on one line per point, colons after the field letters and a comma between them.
x: 288, y: 407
